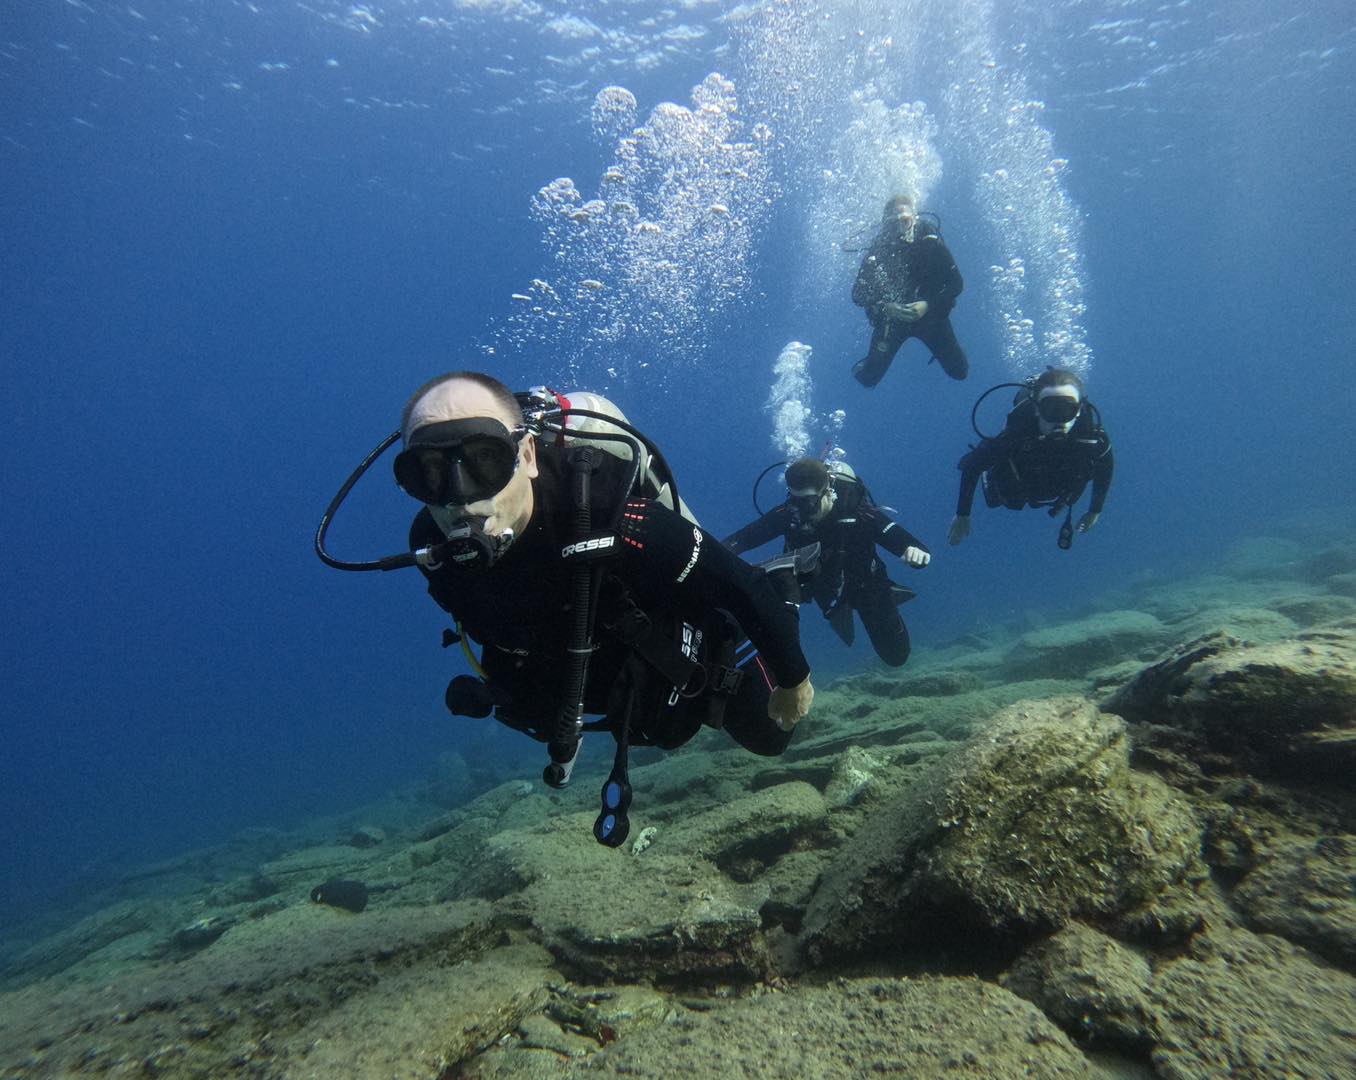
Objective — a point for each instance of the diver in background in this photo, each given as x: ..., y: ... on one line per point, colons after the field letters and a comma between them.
x: 828, y: 505
x: 1051, y: 446
x: 908, y: 283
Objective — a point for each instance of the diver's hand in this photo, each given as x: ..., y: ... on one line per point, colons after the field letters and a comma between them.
x: 916, y: 557
x: 897, y: 312
x: 913, y: 312
x: 1087, y: 521
x: 960, y: 529
x: 788, y: 704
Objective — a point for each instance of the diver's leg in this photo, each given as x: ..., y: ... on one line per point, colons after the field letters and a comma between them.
x: 940, y: 337
x: 880, y: 615
x: 886, y: 338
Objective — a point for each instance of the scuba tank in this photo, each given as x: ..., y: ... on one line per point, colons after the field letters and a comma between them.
x: 589, y: 419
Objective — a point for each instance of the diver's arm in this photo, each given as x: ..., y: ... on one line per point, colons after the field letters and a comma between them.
x: 863, y: 295
x: 890, y: 535
x: 944, y: 282
x: 1102, y: 468
x: 661, y: 546
x: 757, y: 533
x: 972, y: 466
x: 872, y: 284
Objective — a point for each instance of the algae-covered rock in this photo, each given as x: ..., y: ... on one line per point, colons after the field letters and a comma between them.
x: 232, y: 1007
x: 1331, y: 561
x: 96, y: 932
x: 1315, y: 609
x: 1343, y: 584
x: 1252, y: 1005
x: 929, y: 1028
x: 1091, y: 985
x: 747, y: 833
x: 657, y: 918
x: 1282, y: 706
x: 1246, y: 622
x: 853, y: 770
x: 1070, y: 649
x: 421, y: 1021
x: 1263, y: 558
x: 1305, y: 890
x: 1037, y: 820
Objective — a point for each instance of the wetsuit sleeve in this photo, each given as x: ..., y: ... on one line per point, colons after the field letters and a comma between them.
x: 669, y: 553
x: 944, y: 281
x: 757, y: 533
x: 1102, y: 468
x: 973, y: 465
x: 890, y: 535
x: 870, y: 287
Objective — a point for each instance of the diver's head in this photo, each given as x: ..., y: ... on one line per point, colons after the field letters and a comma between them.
x: 901, y: 213
x: 468, y: 456
x: 809, y: 489
x: 1058, y: 395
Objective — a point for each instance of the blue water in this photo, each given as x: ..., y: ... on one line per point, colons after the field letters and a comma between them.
x: 237, y: 235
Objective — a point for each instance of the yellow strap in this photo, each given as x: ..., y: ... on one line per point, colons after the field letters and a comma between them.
x: 470, y: 656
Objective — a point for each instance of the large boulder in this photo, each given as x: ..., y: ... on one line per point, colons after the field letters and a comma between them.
x: 749, y: 833
x: 1242, y: 1004
x: 935, y: 1028
x: 1037, y: 820
x: 1305, y: 890
x: 1075, y: 648
x: 654, y: 918
x: 1280, y: 707
x: 1091, y: 985
x: 286, y: 986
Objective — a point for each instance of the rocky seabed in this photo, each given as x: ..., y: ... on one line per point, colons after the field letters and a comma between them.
x: 1122, y: 845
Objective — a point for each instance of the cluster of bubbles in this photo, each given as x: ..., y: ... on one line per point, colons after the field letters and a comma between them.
x: 1031, y: 213
x: 656, y: 258
x: 882, y: 151
x: 789, y: 400
x: 1038, y: 278
x: 842, y: 79
x: 789, y: 403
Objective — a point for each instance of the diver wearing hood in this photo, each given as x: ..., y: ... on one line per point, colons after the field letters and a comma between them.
x: 1051, y: 446
x: 908, y: 283
x: 828, y: 505
x: 513, y: 500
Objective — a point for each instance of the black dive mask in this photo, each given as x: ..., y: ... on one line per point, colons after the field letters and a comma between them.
x: 806, y: 507
x: 1058, y: 409
x: 458, y: 462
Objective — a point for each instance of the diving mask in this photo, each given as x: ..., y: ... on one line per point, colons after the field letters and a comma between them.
x: 458, y: 462
x: 1059, y: 406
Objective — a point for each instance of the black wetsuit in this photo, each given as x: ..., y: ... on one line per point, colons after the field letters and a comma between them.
x: 1023, y: 468
x: 851, y: 576
x: 664, y: 566
x: 898, y: 271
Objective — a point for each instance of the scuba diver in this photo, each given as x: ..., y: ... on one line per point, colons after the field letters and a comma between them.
x: 553, y: 534
x: 1051, y: 446
x: 908, y: 283
x: 828, y: 505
